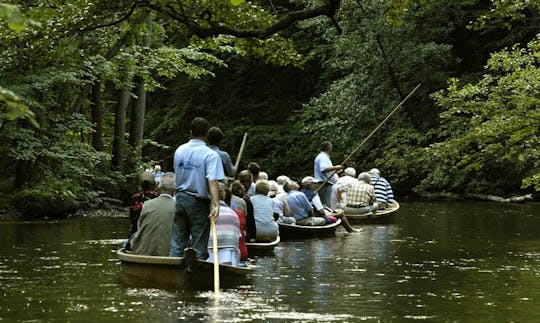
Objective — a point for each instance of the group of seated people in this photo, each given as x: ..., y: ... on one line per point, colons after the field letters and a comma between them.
x: 251, y: 208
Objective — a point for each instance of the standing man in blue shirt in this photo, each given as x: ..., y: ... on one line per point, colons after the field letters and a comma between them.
x: 324, y: 169
x: 197, y: 171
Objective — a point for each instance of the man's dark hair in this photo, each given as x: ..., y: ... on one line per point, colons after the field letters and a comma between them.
x: 254, y: 169
x: 215, y: 135
x: 199, y: 127
x: 325, y: 146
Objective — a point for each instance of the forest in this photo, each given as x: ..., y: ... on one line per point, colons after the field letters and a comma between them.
x: 93, y: 92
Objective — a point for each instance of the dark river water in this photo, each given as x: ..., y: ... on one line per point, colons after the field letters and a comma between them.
x: 437, y: 261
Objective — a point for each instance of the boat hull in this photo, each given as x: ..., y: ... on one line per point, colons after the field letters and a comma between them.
x: 292, y: 231
x: 262, y: 248
x: 383, y: 216
x: 178, y: 272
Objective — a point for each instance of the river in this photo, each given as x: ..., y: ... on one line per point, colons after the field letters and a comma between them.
x: 436, y: 261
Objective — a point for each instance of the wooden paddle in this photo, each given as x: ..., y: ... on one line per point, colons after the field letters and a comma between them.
x: 369, y: 136
x: 215, y: 251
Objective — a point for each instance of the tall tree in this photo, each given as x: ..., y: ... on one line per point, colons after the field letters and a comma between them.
x: 97, y: 116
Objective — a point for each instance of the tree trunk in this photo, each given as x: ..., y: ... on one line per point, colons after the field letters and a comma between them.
x: 78, y: 105
x: 97, y: 117
x: 137, y: 115
x: 120, y: 123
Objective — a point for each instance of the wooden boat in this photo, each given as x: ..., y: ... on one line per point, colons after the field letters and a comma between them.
x: 183, y: 272
x: 293, y: 231
x: 370, y: 217
x: 255, y: 248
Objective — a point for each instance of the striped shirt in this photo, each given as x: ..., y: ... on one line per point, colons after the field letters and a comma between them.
x: 228, y: 229
x: 383, y: 190
x: 359, y: 194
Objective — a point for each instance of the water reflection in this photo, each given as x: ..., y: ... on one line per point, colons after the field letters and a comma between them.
x: 436, y: 261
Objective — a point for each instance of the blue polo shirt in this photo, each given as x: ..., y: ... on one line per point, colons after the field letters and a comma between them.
x: 299, y: 205
x: 322, y: 162
x: 194, y: 165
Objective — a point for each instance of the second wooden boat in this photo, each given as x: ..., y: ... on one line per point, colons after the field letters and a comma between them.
x: 183, y: 272
x: 293, y: 231
x: 255, y: 248
x: 380, y: 215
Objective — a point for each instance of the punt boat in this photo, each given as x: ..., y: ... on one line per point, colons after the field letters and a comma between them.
x: 370, y: 217
x: 293, y: 231
x: 183, y: 272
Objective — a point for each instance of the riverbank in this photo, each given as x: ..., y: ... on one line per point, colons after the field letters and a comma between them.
x: 107, y: 212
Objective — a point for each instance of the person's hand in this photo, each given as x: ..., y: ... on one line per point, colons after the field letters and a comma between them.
x: 214, y: 212
x: 338, y: 167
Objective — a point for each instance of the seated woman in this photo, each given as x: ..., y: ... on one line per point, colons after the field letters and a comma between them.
x: 281, y: 207
x: 228, y: 233
x: 267, y: 229
x: 239, y: 206
x: 240, y: 201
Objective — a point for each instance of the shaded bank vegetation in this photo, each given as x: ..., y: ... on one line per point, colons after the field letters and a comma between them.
x: 92, y: 92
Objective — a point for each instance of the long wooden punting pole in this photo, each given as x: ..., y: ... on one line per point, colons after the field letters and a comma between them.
x: 215, y: 251
x: 237, y: 164
x: 369, y: 136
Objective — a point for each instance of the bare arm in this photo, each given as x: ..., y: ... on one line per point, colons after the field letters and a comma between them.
x: 214, y: 198
x: 332, y: 169
x: 286, y: 210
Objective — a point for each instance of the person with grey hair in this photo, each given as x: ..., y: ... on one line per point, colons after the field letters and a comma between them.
x: 263, y: 211
x: 383, y: 190
x: 263, y: 176
x: 281, y: 180
x: 153, y: 238
x: 348, y: 178
x: 360, y: 196
x: 157, y: 173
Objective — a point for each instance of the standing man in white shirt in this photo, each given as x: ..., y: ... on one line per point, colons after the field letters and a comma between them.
x: 324, y: 169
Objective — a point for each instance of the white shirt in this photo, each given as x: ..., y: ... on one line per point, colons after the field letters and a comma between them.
x: 342, y: 181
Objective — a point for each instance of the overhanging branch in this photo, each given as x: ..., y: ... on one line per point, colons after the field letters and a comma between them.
x: 218, y: 28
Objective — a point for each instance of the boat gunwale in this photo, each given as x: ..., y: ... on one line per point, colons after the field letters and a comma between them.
x: 264, y: 245
x: 376, y: 215
x: 130, y: 258
x: 320, y: 228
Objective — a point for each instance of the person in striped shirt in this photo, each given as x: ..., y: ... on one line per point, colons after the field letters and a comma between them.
x: 383, y: 190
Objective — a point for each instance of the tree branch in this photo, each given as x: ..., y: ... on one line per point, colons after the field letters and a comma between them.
x: 113, y: 23
x: 328, y: 9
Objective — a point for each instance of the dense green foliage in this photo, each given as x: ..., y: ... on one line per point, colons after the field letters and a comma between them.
x: 491, y: 128
x: 73, y: 71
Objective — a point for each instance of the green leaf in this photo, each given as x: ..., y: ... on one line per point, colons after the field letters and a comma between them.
x: 237, y: 2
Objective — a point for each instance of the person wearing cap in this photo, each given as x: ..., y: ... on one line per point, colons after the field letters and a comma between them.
x: 360, y: 196
x: 309, y: 185
x: 198, y: 169
x: 323, y: 170
x: 383, y: 190
x: 215, y: 135
x: 301, y: 209
x: 153, y: 237
x: 263, y: 211
x: 228, y: 232
x: 348, y: 178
